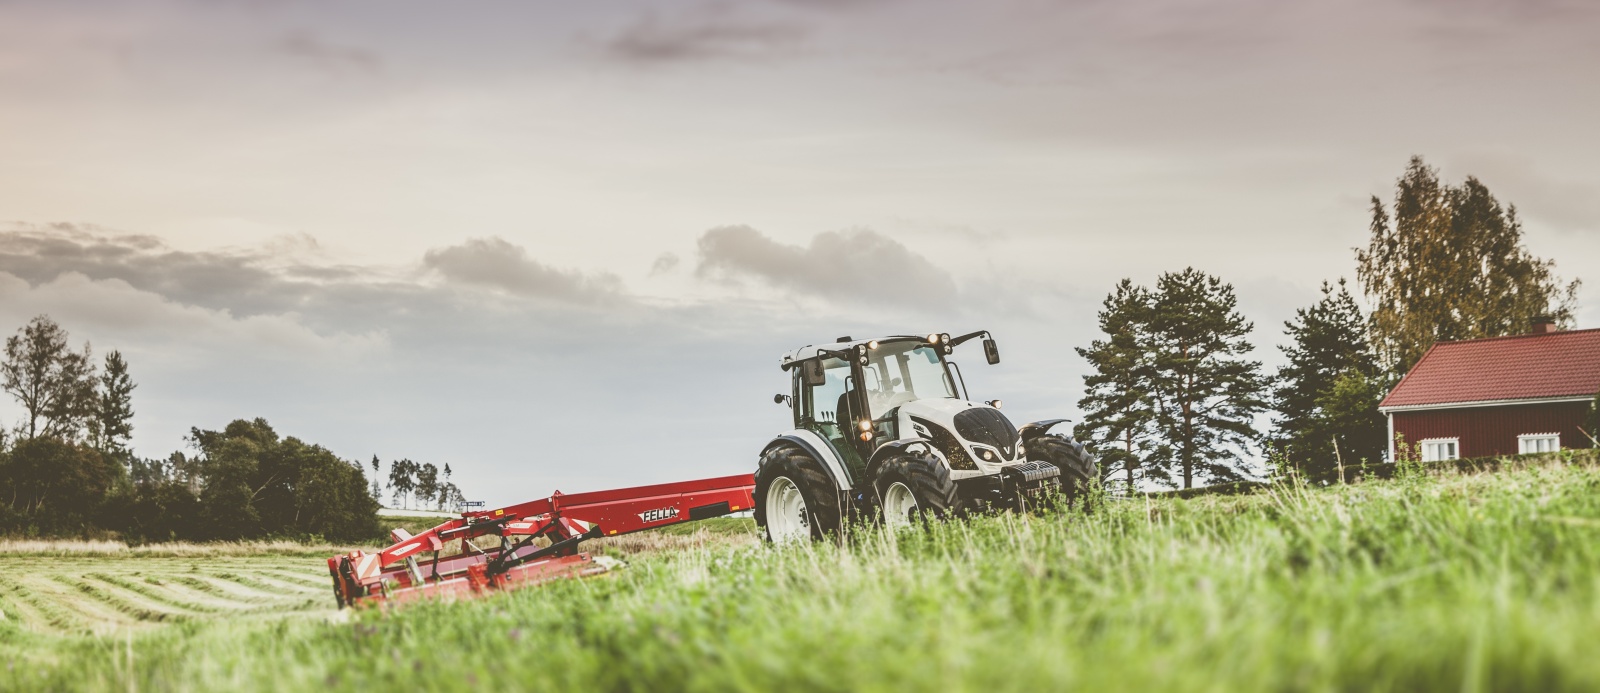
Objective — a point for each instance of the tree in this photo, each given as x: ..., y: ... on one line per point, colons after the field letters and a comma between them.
x: 402, y: 480
x: 1207, y: 393
x: 1349, y: 419
x: 58, y: 486
x: 427, y: 483
x: 1119, y: 402
x: 112, y: 424
x: 377, y: 490
x: 450, y: 497
x: 1328, y: 347
x: 1451, y: 266
x: 258, y: 484
x: 54, y: 385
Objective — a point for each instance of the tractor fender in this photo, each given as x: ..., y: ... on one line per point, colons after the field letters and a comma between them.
x: 890, y: 449
x: 819, y: 449
x: 1037, y: 428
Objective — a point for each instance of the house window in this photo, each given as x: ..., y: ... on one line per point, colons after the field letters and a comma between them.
x: 1440, y: 449
x: 1529, y: 443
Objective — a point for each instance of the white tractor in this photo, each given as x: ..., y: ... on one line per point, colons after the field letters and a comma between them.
x: 884, y: 431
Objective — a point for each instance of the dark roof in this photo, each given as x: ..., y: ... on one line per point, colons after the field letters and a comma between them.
x: 1530, y: 366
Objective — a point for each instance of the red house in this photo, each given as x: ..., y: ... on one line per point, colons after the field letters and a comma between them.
x: 1498, y: 396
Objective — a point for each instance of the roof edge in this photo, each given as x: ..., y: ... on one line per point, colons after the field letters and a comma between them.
x: 1558, y: 399
x: 1525, y: 335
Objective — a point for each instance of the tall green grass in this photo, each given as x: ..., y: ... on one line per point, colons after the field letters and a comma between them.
x: 1433, y: 581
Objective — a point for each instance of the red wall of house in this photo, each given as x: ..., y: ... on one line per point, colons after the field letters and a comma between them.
x: 1493, y: 430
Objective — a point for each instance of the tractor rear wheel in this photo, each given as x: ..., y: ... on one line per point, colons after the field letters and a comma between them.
x: 1076, y: 464
x: 913, y: 487
x: 795, y: 499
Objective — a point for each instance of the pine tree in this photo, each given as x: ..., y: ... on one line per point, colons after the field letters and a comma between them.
x: 1118, y: 404
x: 1451, y: 266
x: 112, y: 424
x: 1328, y: 346
x: 377, y: 491
x: 1207, y: 392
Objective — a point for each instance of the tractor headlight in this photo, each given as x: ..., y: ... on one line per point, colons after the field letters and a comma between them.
x: 872, y: 344
x: 866, y: 425
x: 933, y: 338
x: 866, y: 436
x: 986, y: 454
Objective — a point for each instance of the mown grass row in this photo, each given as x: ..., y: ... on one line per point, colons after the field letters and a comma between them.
x: 1450, y: 581
x: 45, y: 598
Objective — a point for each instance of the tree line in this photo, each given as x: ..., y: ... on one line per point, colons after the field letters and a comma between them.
x: 67, y: 469
x: 1174, y: 398
x: 419, y: 482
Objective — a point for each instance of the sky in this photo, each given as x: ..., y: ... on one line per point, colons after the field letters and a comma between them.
x: 562, y: 245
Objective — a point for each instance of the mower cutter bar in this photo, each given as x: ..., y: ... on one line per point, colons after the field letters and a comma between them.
x: 396, y: 575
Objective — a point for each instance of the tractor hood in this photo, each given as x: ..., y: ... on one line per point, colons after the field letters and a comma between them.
x: 971, y: 435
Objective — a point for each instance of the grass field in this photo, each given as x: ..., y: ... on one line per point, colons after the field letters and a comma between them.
x: 1435, y: 581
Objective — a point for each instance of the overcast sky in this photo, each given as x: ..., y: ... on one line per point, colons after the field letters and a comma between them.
x: 562, y: 244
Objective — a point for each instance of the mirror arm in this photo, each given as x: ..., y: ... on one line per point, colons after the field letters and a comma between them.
x: 956, y: 341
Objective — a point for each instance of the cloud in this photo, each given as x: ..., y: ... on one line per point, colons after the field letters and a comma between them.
x: 652, y: 40
x: 240, y: 280
x: 858, y: 265
x: 665, y: 262
x: 495, y: 263
x: 117, y: 309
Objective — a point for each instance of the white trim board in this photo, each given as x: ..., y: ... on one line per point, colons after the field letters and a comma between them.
x: 1485, y: 403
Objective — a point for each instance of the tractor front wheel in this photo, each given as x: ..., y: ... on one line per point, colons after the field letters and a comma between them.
x: 914, y: 487
x: 1076, y: 464
x: 795, y: 499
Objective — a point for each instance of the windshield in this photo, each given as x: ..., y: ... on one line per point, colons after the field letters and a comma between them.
x: 900, y: 372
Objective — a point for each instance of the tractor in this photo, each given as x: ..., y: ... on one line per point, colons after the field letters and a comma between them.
x: 885, y: 432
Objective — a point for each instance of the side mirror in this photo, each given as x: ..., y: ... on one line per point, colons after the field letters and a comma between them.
x: 812, y: 373
x: 991, y: 352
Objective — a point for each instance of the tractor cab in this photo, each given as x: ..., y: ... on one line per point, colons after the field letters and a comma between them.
x: 846, y: 392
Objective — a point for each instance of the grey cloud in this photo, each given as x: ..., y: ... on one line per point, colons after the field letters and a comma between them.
x: 664, y: 263
x: 857, y: 265
x: 237, y: 280
x: 495, y: 263
x: 653, y: 40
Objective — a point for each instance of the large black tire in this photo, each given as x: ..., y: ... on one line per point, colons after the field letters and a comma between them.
x: 925, y: 476
x: 817, y: 489
x: 1076, y: 464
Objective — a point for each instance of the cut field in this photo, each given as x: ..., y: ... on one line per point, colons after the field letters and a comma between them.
x: 1444, y: 579
x: 73, y: 595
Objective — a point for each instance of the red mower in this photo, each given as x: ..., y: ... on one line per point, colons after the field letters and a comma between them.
x: 396, y: 575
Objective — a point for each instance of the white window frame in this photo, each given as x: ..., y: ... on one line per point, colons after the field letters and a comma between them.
x: 1531, y: 443
x: 1433, y: 449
